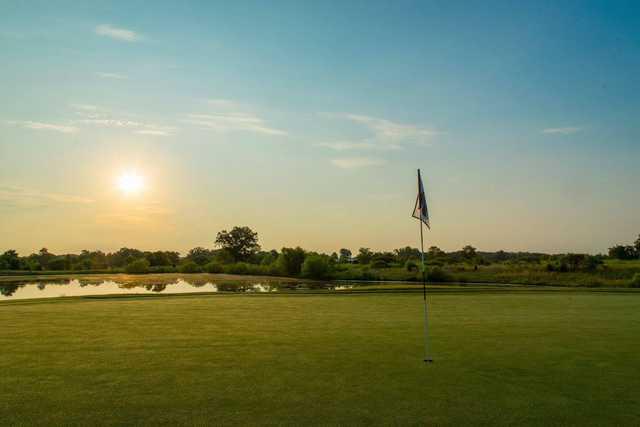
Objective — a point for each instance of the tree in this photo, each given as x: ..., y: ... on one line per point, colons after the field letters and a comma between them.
x: 469, y: 252
x: 290, y: 260
x: 622, y: 252
x: 241, y: 242
x: 316, y: 266
x: 200, y: 255
x: 405, y: 254
x: 435, y: 252
x: 139, y: 266
x: 637, y: 246
x: 11, y: 259
x: 345, y: 255
x: 364, y: 256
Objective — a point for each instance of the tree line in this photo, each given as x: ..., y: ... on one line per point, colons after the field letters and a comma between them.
x: 238, y: 252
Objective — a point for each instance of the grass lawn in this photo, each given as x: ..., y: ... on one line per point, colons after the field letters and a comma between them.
x: 533, y: 358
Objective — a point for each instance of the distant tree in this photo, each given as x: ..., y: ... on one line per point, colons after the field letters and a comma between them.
x: 435, y: 252
x: 223, y: 256
x: 58, y: 263
x: 44, y: 256
x: 345, y: 255
x: 190, y: 267
x: 157, y: 258
x: 241, y: 242
x: 364, y: 256
x: 405, y: 254
x: 622, y: 252
x: 139, y: 266
x: 316, y: 266
x: 637, y: 246
x: 11, y: 259
x: 469, y: 252
x: 290, y: 260
x: 334, y: 258
x: 200, y: 255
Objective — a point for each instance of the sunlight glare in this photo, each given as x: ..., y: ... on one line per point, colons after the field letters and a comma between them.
x: 130, y: 183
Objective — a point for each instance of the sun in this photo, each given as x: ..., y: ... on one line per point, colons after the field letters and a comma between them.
x: 130, y: 183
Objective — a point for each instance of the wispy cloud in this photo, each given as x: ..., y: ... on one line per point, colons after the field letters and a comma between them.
x: 356, y: 162
x: 44, y: 126
x: 562, y: 131
x: 358, y: 145
x: 121, y: 34
x: 96, y: 116
x: 23, y: 197
x: 115, y: 76
x: 229, y: 122
x: 153, y: 132
x: 231, y: 116
x: 390, y: 131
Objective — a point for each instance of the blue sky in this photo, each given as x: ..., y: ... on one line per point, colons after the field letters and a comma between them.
x: 307, y: 120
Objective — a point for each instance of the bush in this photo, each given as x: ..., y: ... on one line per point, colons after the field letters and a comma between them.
x: 162, y: 269
x: 316, y: 266
x: 411, y: 265
x: 635, y: 282
x: 379, y: 263
x: 190, y: 267
x: 437, y: 274
x: 237, y: 268
x: 213, y: 267
x: 139, y: 266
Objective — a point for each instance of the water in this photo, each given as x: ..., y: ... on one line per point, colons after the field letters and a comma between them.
x: 53, y: 288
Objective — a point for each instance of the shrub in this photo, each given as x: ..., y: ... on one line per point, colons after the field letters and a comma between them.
x: 237, y: 268
x: 190, y: 267
x: 411, y: 265
x: 213, y: 267
x: 316, y: 266
x: 379, y: 263
x: 635, y: 282
x: 139, y: 266
x: 437, y: 274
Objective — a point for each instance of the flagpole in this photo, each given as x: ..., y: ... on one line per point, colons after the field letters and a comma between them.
x: 427, y: 357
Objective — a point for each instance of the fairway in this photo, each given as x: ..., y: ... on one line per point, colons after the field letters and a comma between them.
x: 529, y: 358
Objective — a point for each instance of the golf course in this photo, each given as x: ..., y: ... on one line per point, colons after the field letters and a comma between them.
x: 501, y: 357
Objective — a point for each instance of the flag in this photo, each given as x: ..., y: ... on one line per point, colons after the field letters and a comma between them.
x: 420, y: 210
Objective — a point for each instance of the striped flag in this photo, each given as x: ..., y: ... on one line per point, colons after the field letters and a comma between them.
x: 420, y: 210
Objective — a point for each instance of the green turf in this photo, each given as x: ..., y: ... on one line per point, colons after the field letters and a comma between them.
x: 525, y: 358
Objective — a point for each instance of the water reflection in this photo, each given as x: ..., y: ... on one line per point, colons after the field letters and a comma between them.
x: 59, y: 288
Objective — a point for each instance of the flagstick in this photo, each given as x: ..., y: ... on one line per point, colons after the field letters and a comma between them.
x: 427, y: 357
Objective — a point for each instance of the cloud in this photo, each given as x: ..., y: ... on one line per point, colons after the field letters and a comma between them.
x: 121, y: 34
x: 44, y: 126
x: 562, y: 131
x: 389, y: 131
x: 115, y: 76
x: 356, y: 162
x: 229, y: 122
x: 23, y: 197
x: 226, y: 104
x: 152, y: 132
x: 358, y: 145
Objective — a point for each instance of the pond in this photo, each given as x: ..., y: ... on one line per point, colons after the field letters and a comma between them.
x: 53, y: 288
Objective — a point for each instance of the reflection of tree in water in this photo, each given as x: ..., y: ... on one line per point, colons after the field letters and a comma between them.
x: 158, y: 287
x: 9, y: 289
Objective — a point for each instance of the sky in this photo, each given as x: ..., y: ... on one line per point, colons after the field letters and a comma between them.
x: 156, y: 125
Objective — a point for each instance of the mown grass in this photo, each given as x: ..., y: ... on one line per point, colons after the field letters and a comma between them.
x: 526, y: 358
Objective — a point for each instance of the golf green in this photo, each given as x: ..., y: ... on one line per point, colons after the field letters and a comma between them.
x: 525, y: 358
